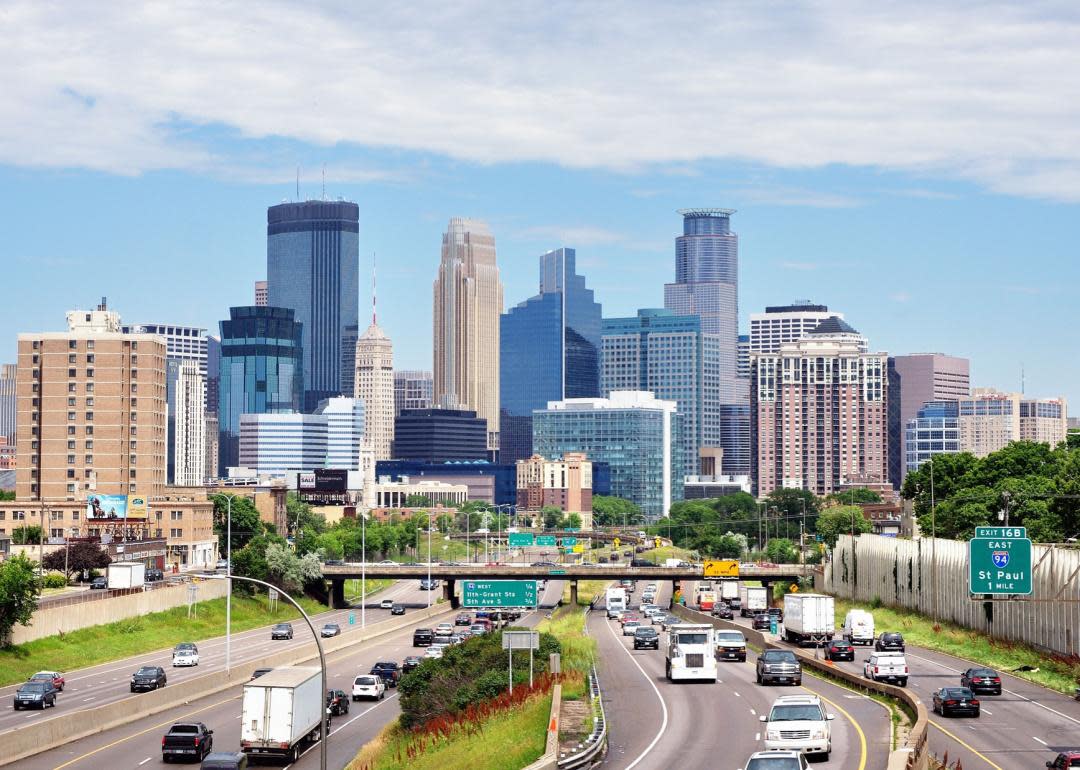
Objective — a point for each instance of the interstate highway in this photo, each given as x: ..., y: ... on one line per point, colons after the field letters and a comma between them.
x: 138, y: 744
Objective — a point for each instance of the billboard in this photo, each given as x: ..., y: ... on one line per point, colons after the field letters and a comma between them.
x: 324, y: 480
x: 137, y: 507
x: 106, y: 507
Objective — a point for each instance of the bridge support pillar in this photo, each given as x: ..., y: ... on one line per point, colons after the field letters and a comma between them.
x: 573, y: 593
x: 450, y: 594
x: 337, y: 595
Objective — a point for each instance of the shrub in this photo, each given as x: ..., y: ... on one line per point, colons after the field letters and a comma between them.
x: 875, y: 603
x: 53, y: 580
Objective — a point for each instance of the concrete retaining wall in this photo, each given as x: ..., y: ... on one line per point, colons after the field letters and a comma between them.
x: 65, y: 618
x: 41, y: 736
x: 550, y: 758
x: 931, y: 576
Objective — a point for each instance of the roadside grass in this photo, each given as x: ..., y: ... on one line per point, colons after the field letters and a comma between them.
x: 1058, y: 673
x: 507, y: 741
x: 353, y: 592
x: 578, y: 648
x: 665, y: 552
x: 124, y: 638
x: 587, y: 591
x: 442, y: 550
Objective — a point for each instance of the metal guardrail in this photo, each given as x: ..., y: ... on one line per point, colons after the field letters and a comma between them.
x: 595, y: 742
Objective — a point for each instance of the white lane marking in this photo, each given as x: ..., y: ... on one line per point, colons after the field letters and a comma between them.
x: 652, y: 684
x: 92, y: 697
x: 988, y: 712
x: 757, y: 736
x: 144, y: 761
x: 736, y: 694
x: 342, y: 727
x: 753, y: 712
x: 1040, y: 740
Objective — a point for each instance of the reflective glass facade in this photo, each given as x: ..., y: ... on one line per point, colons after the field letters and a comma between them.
x: 935, y: 430
x: 261, y: 371
x: 549, y: 350
x: 312, y: 258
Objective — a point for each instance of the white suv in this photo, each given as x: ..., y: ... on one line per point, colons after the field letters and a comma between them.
x: 887, y: 667
x: 777, y: 760
x: 368, y: 686
x: 798, y: 723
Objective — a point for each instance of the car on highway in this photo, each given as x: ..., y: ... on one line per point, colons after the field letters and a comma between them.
x: 148, y: 678
x: 422, y: 637
x: 428, y: 585
x: 890, y: 641
x: 337, y: 702
x: 761, y: 622
x: 887, y: 667
x: 222, y: 564
x: 281, y: 631
x: 225, y: 760
x: 389, y: 670
x: 645, y: 637
x: 368, y: 687
x: 630, y: 626
x: 435, y: 651
x: 839, y: 649
x: 722, y: 611
x: 648, y: 597
x: 397, y: 609
x: 259, y: 672
x: 735, y: 604
x: 386, y: 604
x: 543, y: 564
x: 330, y: 629
x: 35, y: 694
x: 1064, y: 760
x: 478, y: 628
x: 978, y: 680
x: 444, y: 639
x: 55, y: 677
x: 730, y: 645
x: 187, y: 740
x: 99, y: 583
x: 798, y: 723
x: 185, y: 657
x: 463, y: 619
x: 444, y: 629
x: 777, y: 760
x: 410, y: 662
x: 779, y: 666
x: 777, y: 612
x: 629, y: 617
x: 955, y: 700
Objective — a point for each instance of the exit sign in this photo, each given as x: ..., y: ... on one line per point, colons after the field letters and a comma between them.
x: 999, y: 565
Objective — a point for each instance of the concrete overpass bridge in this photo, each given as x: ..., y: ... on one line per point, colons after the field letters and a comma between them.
x: 449, y: 574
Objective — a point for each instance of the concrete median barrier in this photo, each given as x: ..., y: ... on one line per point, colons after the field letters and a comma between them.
x: 48, y: 734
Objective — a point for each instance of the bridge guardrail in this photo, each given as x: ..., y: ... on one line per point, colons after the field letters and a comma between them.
x: 595, y: 742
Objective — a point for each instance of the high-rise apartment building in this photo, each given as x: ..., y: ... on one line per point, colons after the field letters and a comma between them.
x: 262, y: 298
x: 213, y: 372
x: 375, y: 387
x: 468, y: 299
x: 565, y: 483
x: 669, y: 356
x: 818, y: 412
x: 8, y: 401
x: 917, y: 379
x: 261, y: 371
x: 413, y: 389
x: 332, y: 437
x: 635, y: 433
x: 92, y: 411
x: 312, y: 259
x: 742, y: 368
x: 182, y: 343
x: 1044, y: 420
x: 187, y: 418
x: 785, y: 323
x: 549, y: 349
x: 212, y: 434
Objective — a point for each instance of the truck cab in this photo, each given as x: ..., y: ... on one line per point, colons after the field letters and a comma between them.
x: 690, y: 652
x: 187, y: 740
x: 616, y: 602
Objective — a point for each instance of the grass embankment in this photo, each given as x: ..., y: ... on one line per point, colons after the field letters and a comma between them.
x: 124, y: 638
x: 578, y: 648
x: 353, y: 588
x: 444, y: 550
x: 1056, y: 672
x: 665, y: 552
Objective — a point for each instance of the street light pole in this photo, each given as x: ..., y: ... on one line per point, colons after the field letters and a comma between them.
x: 430, y: 589
x: 363, y: 570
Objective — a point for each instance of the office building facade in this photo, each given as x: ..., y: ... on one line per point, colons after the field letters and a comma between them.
x: 819, y: 412
x: 467, y: 301
x: 312, y: 259
x: 8, y: 400
x: 413, y: 389
x: 375, y: 387
x: 935, y: 429
x: 261, y: 372
x: 668, y: 355
x: 549, y: 350
x: 187, y: 426
x: 638, y: 435
x: 262, y: 295
x: 565, y: 483
x: 438, y: 435
x: 780, y: 324
x: 332, y: 437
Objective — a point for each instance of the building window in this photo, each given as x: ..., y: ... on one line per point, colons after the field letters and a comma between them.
x: 89, y: 344
x: 131, y: 473
x: 89, y: 444
x: 134, y: 374
x: 134, y: 345
x: 71, y: 445
x: 71, y: 373
x: 89, y: 400
x: 71, y: 489
x: 71, y: 358
x: 71, y: 401
x: 71, y: 430
x: 89, y: 387
x: 174, y: 532
x: 89, y: 430
x: 89, y: 416
x: 89, y: 459
x: 89, y: 358
x: 71, y: 345
x: 71, y: 459
x: 134, y: 359
x: 134, y: 402
x: 89, y: 373
x: 71, y: 387
x: 71, y: 416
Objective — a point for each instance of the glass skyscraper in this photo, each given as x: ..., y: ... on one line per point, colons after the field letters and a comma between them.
x: 549, y: 349
x: 261, y: 371
x: 312, y: 259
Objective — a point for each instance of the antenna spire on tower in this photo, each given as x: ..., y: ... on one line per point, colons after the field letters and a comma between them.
x: 374, y: 307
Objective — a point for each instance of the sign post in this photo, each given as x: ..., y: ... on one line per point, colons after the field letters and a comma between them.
x: 999, y: 561
x: 520, y: 640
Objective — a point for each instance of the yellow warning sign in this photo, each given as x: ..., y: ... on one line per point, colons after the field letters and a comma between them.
x: 725, y: 568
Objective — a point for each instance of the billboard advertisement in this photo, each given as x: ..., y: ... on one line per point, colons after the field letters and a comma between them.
x: 99, y: 507
x: 331, y: 480
x: 137, y: 507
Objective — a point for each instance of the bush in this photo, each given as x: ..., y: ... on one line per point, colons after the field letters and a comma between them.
x: 53, y: 580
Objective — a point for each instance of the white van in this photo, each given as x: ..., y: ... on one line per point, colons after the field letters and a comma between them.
x: 858, y: 627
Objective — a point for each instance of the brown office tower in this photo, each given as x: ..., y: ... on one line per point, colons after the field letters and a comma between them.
x: 91, y: 411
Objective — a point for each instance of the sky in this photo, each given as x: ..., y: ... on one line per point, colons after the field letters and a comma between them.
x: 913, y: 165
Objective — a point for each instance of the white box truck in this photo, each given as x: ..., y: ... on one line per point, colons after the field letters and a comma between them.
x: 859, y: 627
x: 809, y: 618
x: 691, y: 653
x: 126, y: 574
x: 729, y: 589
x: 754, y: 599
x: 281, y: 712
x: 616, y: 601
x: 672, y: 562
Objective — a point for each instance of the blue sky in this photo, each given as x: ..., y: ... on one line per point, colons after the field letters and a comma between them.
x: 916, y: 168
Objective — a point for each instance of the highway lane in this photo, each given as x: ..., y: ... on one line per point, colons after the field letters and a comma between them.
x: 109, y: 682
x: 138, y: 744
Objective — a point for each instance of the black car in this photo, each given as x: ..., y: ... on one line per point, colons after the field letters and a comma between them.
x: 778, y: 612
x: 428, y: 585
x: 723, y: 612
x: 464, y: 619
x: 423, y: 637
x: 35, y: 694
x: 646, y: 636
x: 839, y: 649
x: 99, y: 582
x: 779, y: 666
x: 187, y: 740
x: 397, y: 609
x: 338, y: 702
x: 153, y: 575
x: 389, y: 670
x: 981, y: 680
x: 281, y: 631
x: 410, y: 663
x: 890, y: 641
x: 761, y: 622
x: 330, y: 629
x: 735, y: 604
x: 148, y: 678
x: 956, y: 700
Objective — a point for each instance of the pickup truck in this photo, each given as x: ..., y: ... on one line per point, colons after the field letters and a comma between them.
x: 187, y: 740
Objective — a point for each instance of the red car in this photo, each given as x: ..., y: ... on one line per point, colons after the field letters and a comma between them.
x: 627, y: 617
x: 55, y: 677
x: 1064, y: 760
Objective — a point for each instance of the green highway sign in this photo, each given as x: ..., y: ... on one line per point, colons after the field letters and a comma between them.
x: 557, y: 572
x: 520, y: 539
x: 571, y: 529
x: 569, y: 541
x: 498, y: 593
x: 999, y: 565
x: 545, y: 539
x: 1000, y: 531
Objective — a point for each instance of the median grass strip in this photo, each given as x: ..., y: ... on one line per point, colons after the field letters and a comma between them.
x: 124, y: 638
x: 1057, y: 672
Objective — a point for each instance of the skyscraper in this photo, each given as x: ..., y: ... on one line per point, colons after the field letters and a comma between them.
x: 331, y: 437
x: 312, y: 259
x: 468, y: 298
x: 187, y: 418
x: 261, y: 294
x: 412, y: 390
x: 7, y: 402
x: 818, y: 412
x: 785, y: 323
x: 549, y: 349
x: 375, y: 387
x: 261, y: 371
x: 669, y: 356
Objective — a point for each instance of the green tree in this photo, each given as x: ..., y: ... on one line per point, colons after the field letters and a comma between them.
x: 417, y: 501
x: 572, y: 520
x: 552, y: 516
x: 289, y: 571
x: 791, y: 504
x: 26, y: 535
x: 839, y: 520
x: 780, y: 550
x: 1072, y: 441
x: 611, y: 511
x: 19, y: 591
x: 79, y: 557
x: 6, y: 495
x: 246, y: 522
x: 853, y: 496
x: 301, y: 519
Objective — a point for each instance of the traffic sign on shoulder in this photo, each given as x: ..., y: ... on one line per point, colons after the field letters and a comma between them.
x: 1000, y: 532
x: 999, y: 565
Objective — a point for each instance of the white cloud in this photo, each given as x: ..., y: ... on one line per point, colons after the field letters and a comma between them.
x: 573, y: 236
x: 801, y: 266
x: 981, y: 91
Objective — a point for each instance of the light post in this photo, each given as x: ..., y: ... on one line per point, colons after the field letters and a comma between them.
x: 318, y: 643
x: 430, y: 589
x: 363, y: 570
x: 228, y: 574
